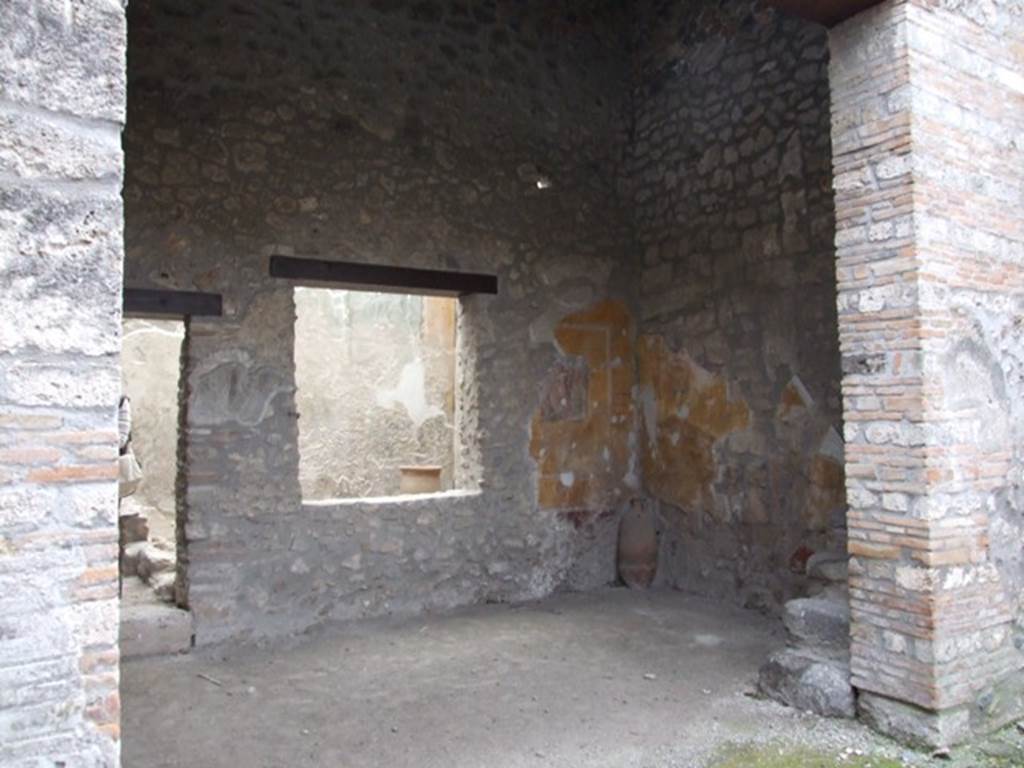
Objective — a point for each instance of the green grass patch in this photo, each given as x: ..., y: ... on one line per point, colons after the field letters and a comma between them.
x: 776, y: 756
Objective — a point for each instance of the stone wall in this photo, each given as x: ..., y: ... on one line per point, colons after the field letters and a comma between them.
x: 376, y: 390
x: 929, y: 167
x: 488, y: 137
x: 410, y: 133
x: 150, y: 364
x: 495, y: 139
x: 737, y: 358
x: 62, y: 98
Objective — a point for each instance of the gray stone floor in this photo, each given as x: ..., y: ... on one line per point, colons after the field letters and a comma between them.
x: 612, y: 678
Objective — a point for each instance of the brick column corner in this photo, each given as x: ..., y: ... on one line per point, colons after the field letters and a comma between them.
x: 925, y: 102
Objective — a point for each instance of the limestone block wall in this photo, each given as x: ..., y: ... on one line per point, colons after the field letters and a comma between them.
x: 729, y: 181
x: 375, y: 376
x: 410, y: 133
x: 62, y: 98
x: 927, y: 115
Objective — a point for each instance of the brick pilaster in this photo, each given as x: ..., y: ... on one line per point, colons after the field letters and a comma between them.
x: 930, y: 280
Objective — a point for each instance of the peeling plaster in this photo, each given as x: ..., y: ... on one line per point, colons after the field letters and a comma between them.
x: 411, y: 394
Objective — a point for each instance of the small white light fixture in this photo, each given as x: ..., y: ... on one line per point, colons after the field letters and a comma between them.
x: 543, y: 182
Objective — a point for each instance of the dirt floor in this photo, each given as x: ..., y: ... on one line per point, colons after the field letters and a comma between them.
x: 614, y: 679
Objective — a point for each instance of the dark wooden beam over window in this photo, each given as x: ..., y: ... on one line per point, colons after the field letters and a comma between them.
x: 373, y: 277
x: 827, y: 12
x: 161, y: 303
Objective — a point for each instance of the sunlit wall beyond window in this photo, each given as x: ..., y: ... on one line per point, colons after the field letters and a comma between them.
x: 376, y: 392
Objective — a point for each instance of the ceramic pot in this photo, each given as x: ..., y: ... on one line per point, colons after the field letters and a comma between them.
x: 425, y: 479
x: 638, y: 545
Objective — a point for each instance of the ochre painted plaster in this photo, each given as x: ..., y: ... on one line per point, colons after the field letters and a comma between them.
x: 687, y: 409
x: 826, y: 492
x: 580, y: 433
x: 583, y: 458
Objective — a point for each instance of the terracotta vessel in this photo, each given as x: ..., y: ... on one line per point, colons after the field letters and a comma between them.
x: 638, y: 545
x: 424, y: 479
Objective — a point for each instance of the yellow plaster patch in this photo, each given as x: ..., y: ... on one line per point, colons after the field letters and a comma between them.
x: 592, y: 450
x: 688, y: 410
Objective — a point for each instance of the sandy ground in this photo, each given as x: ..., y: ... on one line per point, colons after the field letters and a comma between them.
x: 606, y: 679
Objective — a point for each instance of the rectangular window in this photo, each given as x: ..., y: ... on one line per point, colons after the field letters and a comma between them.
x: 375, y: 374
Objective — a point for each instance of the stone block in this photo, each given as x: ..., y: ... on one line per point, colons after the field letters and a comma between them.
x: 163, y: 585
x: 67, y: 58
x: 818, y: 622
x: 32, y: 382
x: 61, y: 270
x: 134, y: 529
x: 913, y: 725
x: 130, y: 558
x: 805, y: 681
x: 829, y: 567
x: 36, y: 145
x: 152, y: 629
x: 828, y: 591
x: 154, y: 561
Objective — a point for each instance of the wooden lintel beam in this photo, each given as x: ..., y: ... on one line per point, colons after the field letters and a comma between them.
x: 163, y: 303
x: 384, y: 279
x: 827, y: 12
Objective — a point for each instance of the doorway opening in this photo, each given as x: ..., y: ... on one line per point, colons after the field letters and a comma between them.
x: 149, y: 508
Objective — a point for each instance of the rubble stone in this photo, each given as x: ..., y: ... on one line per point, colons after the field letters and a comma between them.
x: 130, y: 558
x: 830, y: 567
x: 805, y: 681
x: 163, y: 585
x: 818, y: 622
x: 153, y: 561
